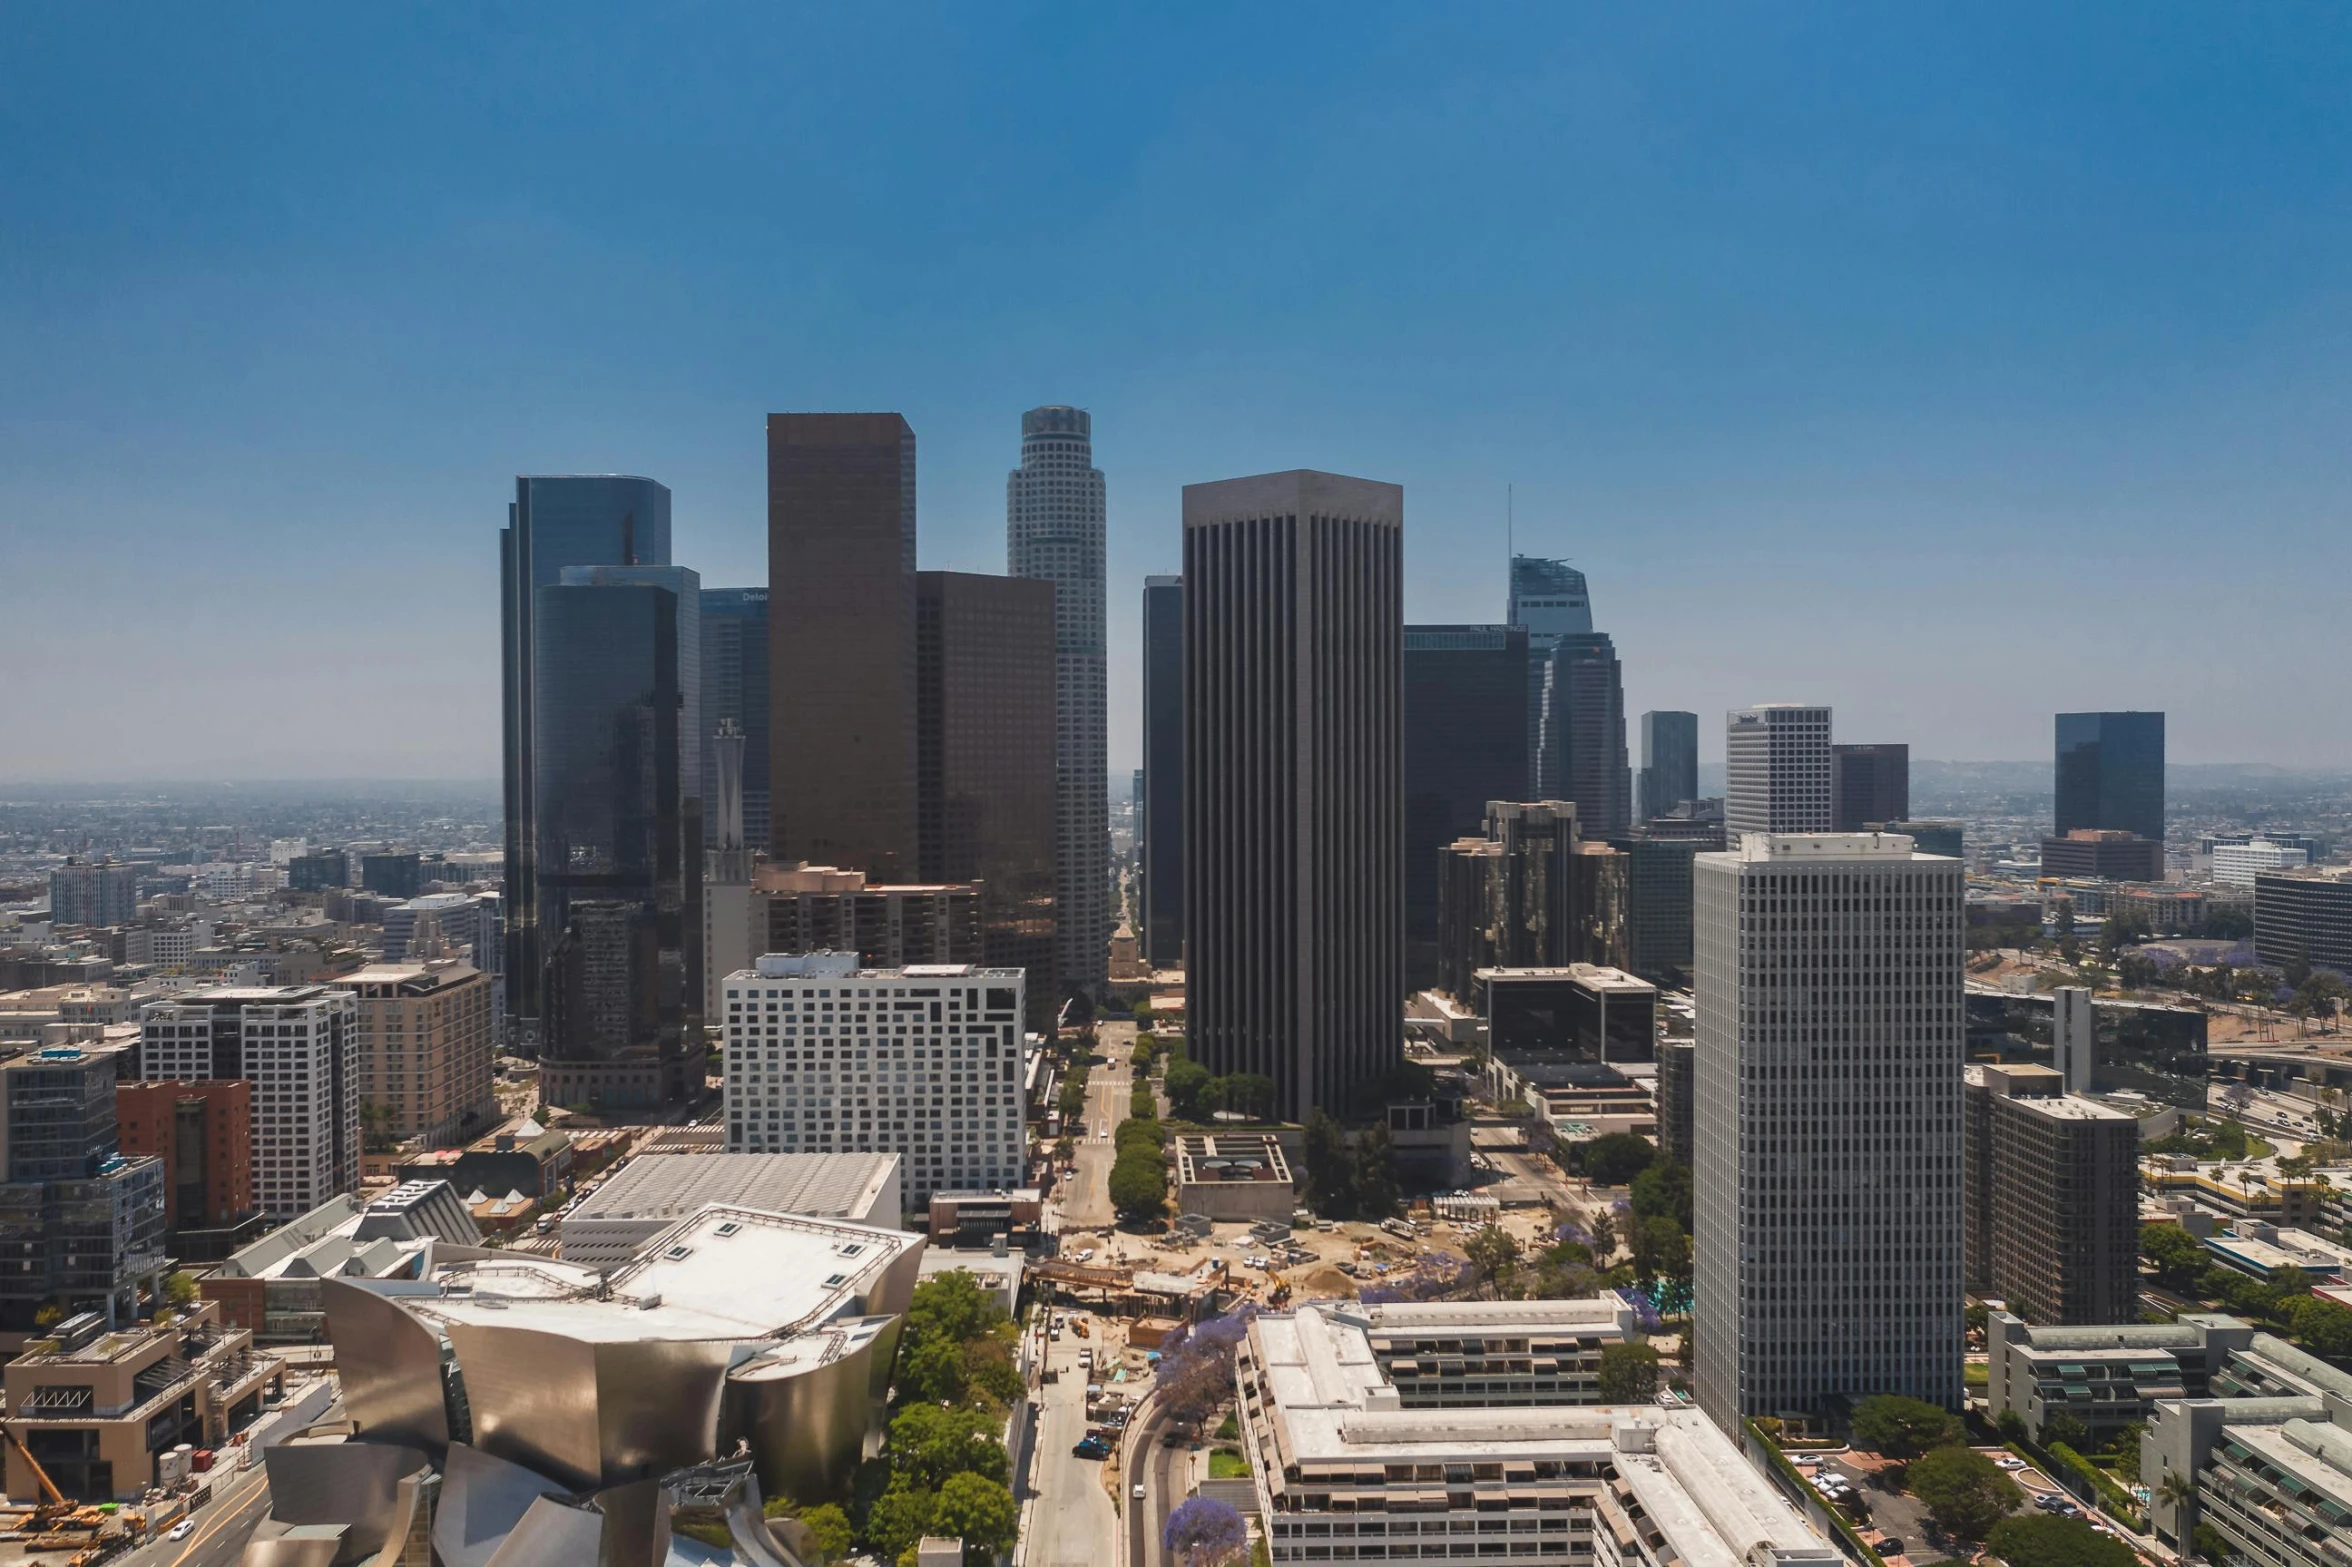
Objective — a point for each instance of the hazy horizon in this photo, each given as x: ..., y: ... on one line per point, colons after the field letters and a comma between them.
x: 1953, y: 369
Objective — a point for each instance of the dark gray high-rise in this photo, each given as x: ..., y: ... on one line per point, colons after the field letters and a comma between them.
x: 1465, y: 695
x: 1669, y: 762
x: 555, y: 521
x: 1580, y: 753
x: 1549, y: 599
x: 841, y: 641
x: 1867, y: 784
x: 1160, y: 804
x: 2110, y: 773
x: 613, y: 883
x: 1293, y: 782
x: 735, y: 685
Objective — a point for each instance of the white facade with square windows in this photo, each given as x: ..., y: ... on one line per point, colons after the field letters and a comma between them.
x: 925, y: 1062
x: 1827, y: 1123
x: 298, y: 1045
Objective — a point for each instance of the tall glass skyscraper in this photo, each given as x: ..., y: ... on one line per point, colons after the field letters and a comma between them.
x: 555, y: 520
x: 613, y: 873
x: 1669, y: 762
x: 1054, y: 530
x: 1575, y: 697
x: 735, y: 685
x: 1465, y: 688
x: 2110, y: 773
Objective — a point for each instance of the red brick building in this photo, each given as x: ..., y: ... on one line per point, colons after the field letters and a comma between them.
x: 203, y: 1132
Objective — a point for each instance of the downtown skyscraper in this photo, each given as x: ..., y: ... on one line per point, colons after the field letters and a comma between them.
x: 1827, y: 1123
x: 1054, y: 531
x: 1293, y: 782
x: 1575, y: 697
x: 2110, y: 773
x: 1669, y: 763
x: 1776, y: 769
x: 841, y: 641
x: 1160, y: 823
x: 555, y: 521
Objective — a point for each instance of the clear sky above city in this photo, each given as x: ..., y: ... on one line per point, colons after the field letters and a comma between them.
x: 1950, y: 365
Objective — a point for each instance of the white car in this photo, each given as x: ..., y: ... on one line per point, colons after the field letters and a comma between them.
x: 2010, y: 1461
x: 182, y: 1529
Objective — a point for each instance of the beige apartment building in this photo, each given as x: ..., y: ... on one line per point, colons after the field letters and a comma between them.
x: 424, y: 1049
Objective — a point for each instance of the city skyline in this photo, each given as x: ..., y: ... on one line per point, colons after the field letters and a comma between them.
x: 1991, y: 354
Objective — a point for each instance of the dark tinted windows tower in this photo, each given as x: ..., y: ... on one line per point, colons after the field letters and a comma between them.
x: 1293, y: 794
x: 1161, y: 829
x: 841, y: 641
x: 984, y: 683
x: 597, y: 519
x: 1465, y: 706
x: 1669, y: 762
x: 2110, y: 773
x: 735, y: 685
x: 1868, y: 784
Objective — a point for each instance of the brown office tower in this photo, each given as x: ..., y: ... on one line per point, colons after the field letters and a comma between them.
x: 1294, y: 783
x: 1868, y: 784
x: 203, y: 1133
x: 2053, y: 1198
x: 984, y: 762
x: 841, y: 641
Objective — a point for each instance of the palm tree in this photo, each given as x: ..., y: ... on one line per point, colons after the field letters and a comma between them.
x: 2179, y: 1493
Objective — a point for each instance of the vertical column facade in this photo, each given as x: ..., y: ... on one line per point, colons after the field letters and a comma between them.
x: 1161, y: 838
x: 1054, y: 513
x: 1828, y: 1124
x: 1669, y: 762
x: 841, y: 641
x: 1776, y: 769
x: 1293, y: 781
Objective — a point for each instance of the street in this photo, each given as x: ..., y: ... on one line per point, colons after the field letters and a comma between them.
x: 1085, y: 1200
x: 220, y: 1534
x: 1071, y: 1521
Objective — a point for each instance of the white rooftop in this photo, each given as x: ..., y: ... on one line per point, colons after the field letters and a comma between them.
x: 664, y: 1186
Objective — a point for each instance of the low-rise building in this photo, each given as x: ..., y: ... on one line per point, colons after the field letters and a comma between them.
x: 2304, y: 916
x: 1346, y: 1472
x: 1492, y: 1354
x: 2106, y: 1376
x: 95, y: 1406
x: 653, y: 1191
x: 2103, y: 855
x: 272, y: 1287
x: 2267, y: 1460
x: 1234, y: 1176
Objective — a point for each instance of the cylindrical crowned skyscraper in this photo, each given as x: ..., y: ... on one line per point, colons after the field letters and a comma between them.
x: 1054, y: 531
x: 1294, y: 782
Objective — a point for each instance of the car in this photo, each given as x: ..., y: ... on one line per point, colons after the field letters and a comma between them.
x: 2010, y: 1461
x: 1137, y: 1493
x: 1092, y: 1447
x: 182, y: 1529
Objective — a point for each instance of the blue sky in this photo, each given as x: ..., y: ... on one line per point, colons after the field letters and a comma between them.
x: 1953, y: 365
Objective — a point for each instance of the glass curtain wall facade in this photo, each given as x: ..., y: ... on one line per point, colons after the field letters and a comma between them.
x: 2110, y: 773
x: 554, y: 521
x: 735, y: 685
x: 1669, y: 762
x: 1161, y: 804
x: 1465, y: 695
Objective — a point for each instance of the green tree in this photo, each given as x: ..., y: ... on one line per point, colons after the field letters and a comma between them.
x: 1495, y: 1254
x: 1603, y: 1229
x: 989, y: 1369
x: 1617, y: 1158
x: 1139, y: 1185
x: 179, y: 1290
x: 828, y: 1527
x: 1250, y: 1094
x: 1663, y: 1191
x: 1629, y: 1373
x: 2177, y: 1255
x: 1140, y: 1136
x: 928, y: 1443
x: 1187, y: 1083
x: 1660, y: 1251
x: 933, y: 1372
x: 951, y: 1306
x: 899, y: 1518
x: 1900, y: 1427
x: 1963, y: 1490
x: 2045, y: 1541
x: 1331, y: 1168
x: 2322, y: 1327
x: 981, y: 1513
x: 2064, y: 1430
x: 1376, y: 1182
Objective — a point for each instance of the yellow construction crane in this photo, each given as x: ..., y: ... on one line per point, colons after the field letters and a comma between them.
x: 56, y: 1504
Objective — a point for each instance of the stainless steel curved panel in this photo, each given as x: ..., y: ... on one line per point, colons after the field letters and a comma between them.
x: 807, y: 1429
x: 290, y: 1553
x: 389, y: 1364
x: 591, y: 1414
x: 482, y: 1498
x: 554, y: 1535
x: 354, y: 1483
x: 894, y: 1291
x: 636, y: 1524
